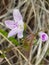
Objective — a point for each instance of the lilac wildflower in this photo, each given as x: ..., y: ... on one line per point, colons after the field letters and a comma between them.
x: 16, y: 25
x: 43, y: 36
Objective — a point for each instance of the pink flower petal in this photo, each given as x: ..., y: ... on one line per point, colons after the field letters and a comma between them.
x: 13, y: 32
x: 20, y: 35
x: 17, y: 15
x: 17, y: 25
x: 43, y: 36
x: 10, y: 24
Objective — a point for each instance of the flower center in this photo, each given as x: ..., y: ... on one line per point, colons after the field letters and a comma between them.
x: 43, y: 36
x: 15, y: 25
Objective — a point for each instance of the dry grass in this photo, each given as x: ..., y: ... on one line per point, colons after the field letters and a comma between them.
x: 36, y: 15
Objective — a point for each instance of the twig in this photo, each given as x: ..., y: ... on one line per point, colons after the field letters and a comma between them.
x: 16, y: 49
x: 39, y: 50
x: 6, y: 58
x: 43, y: 52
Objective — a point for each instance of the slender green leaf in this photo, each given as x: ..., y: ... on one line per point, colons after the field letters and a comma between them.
x: 12, y: 39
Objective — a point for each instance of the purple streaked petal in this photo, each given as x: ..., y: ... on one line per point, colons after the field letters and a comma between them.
x: 20, y: 35
x: 12, y: 32
x: 10, y: 24
x: 17, y: 15
x: 43, y: 36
